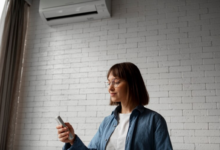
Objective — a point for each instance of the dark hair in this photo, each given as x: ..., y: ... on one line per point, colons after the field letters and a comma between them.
x: 137, y: 92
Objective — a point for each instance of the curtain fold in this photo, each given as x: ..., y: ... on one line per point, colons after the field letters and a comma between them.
x: 11, y: 57
x: 2, y: 20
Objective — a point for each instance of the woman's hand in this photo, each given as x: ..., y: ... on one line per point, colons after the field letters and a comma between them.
x: 63, y: 133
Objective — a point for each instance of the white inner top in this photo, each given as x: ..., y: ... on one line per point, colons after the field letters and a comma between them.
x: 118, y: 137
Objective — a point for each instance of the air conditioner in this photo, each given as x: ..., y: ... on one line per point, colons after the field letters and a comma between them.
x: 55, y: 12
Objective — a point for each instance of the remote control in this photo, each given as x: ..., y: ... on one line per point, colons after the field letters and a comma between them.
x: 60, y: 122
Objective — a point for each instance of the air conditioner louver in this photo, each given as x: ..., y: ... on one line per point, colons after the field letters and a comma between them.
x: 73, y: 15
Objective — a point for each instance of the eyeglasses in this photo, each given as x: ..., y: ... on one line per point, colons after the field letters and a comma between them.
x: 114, y: 82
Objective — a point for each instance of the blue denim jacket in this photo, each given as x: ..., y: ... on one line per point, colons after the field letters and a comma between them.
x: 147, y: 131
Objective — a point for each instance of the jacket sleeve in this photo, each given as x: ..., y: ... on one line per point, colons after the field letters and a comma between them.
x: 161, y: 135
x: 93, y: 145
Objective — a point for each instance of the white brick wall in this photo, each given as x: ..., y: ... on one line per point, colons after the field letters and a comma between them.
x: 174, y: 43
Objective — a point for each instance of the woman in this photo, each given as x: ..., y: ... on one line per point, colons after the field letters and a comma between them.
x: 131, y: 126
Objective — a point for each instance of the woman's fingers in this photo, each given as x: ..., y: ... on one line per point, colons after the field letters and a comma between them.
x: 61, y: 130
x: 64, y: 139
x: 64, y: 134
x: 70, y: 128
x: 59, y: 126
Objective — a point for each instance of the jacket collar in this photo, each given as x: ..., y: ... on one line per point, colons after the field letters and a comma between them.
x: 139, y: 108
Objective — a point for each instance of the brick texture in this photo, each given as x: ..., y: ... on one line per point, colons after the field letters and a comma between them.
x: 174, y: 43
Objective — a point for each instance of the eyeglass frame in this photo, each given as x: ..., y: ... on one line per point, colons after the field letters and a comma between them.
x: 109, y: 83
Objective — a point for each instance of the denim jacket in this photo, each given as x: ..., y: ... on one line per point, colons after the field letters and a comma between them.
x: 147, y: 131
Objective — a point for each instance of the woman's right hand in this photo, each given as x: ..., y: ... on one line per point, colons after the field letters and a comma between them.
x: 63, y: 133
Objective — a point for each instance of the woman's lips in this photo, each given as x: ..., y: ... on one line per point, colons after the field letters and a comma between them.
x: 112, y: 94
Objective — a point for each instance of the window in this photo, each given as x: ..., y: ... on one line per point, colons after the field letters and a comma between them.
x: 2, y: 4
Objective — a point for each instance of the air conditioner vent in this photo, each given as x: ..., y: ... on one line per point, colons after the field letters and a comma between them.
x: 73, y: 15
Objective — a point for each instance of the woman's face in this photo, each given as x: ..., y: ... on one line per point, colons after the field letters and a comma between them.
x: 118, y: 89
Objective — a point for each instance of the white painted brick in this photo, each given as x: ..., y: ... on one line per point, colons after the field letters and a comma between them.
x: 128, y: 35
x: 193, y: 86
x: 166, y: 51
x: 213, y: 112
x: 168, y: 19
x: 153, y: 76
x: 157, y: 70
x: 179, y: 93
x: 213, y: 86
x: 170, y: 100
x: 201, y: 55
x: 78, y: 120
x: 207, y: 132
x: 199, y: 139
x: 32, y: 104
x: 157, y: 58
x: 180, y: 118
x: 175, y: 125
x: 203, y: 67
x: 146, y: 33
x: 157, y: 82
x: 212, y: 73
x: 200, y: 80
x: 169, y: 63
x: 180, y: 69
x: 193, y: 99
x: 205, y: 146
x: 178, y: 57
x: 212, y: 99
x: 170, y: 87
x: 191, y: 62
x: 97, y: 108
x: 156, y: 37
x: 196, y: 126
x: 204, y: 106
x: 182, y: 133
x: 214, y: 126
x: 117, y: 31
x: 159, y: 106
x: 109, y: 27
x: 148, y: 65
x: 195, y: 112
x: 187, y: 50
x: 152, y: 88
x: 87, y: 114
x: 175, y: 139
x: 147, y: 54
x: 171, y: 112
x: 183, y: 146
x: 207, y: 119
x: 190, y: 29
x: 193, y: 74
x: 146, y: 44
x: 93, y: 120
x: 109, y: 37
x: 203, y: 93
x: 116, y: 41
x: 181, y: 106
x: 179, y: 81
x: 217, y: 79
x: 77, y: 97
x: 134, y: 60
x: 136, y: 39
x: 211, y: 61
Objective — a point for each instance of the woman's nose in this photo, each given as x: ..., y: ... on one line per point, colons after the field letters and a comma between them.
x: 111, y: 87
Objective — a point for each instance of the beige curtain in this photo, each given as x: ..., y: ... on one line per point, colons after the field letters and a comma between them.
x: 11, y: 56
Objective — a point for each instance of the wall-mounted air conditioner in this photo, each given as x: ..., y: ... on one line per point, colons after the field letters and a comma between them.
x: 55, y: 12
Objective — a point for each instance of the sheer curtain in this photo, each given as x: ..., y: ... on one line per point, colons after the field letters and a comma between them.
x: 4, y: 4
x: 11, y: 56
